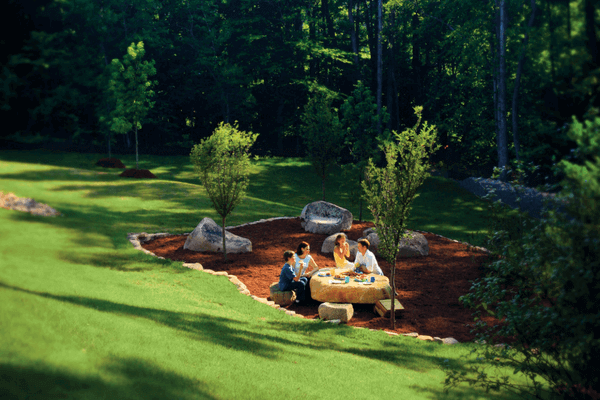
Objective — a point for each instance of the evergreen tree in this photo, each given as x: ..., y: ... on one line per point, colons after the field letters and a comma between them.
x: 322, y: 134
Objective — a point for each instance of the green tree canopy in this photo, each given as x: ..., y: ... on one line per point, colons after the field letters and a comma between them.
x: 222, y: 163
x: 390, y: 190
x: 132, y: 92
x: 322, y: 134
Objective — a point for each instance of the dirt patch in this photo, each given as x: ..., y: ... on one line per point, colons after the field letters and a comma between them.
x: 137, y: 173
x: 110, y: 163
x: 428, y: 287
x: 12, y: 202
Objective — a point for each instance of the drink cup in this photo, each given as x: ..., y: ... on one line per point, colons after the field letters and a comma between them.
x: 347, y: 279
x: 372, y: 279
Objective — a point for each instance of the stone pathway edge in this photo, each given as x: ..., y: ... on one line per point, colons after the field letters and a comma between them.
x: 135, y: 238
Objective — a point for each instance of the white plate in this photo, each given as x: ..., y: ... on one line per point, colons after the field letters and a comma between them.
x: 332, y: 281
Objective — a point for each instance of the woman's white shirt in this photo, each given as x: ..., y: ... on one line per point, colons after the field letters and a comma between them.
x: 306, y: 260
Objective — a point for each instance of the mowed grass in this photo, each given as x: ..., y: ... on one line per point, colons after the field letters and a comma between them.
x: 84, y: 315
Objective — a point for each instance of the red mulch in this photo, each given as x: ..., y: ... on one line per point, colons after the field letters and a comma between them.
x: 137, y: 173
x: 110, y: 163
x: 428, y: 287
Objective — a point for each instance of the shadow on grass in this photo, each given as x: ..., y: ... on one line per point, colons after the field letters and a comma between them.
x: 225, y: 332
x: 133, y: 379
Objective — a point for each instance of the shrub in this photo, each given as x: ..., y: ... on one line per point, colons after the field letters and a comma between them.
x: 544, y: 288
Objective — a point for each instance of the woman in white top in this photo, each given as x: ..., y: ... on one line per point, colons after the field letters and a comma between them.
x: 341, y: 251
x: 304, y: 265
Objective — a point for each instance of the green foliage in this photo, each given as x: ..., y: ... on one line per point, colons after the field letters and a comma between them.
x: 359, y: 118
x: 131, y: 91
x: 545, y: 288
x: 391, y: 190
x: 222, y: 163
x: 322, y: 133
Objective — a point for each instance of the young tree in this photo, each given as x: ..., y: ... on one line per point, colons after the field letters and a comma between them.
x: 221, y: 162
x: 322, y: 133
x: 131, y: 91
x: 390, y: 190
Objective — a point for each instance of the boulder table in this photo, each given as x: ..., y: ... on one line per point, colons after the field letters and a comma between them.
x: 321, y: 289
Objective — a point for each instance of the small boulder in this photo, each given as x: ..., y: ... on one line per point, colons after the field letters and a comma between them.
x: 329, y: 245
x: 325, y: 218
x: 208, y: 236
x: 414, y: 245
x: 282, y: 298
x: 332, y: 311
x: 449, y: 341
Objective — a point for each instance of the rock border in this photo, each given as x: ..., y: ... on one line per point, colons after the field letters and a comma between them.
x: 137, y: 238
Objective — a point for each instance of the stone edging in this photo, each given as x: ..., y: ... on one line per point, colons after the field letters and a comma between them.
x: 137, y: 238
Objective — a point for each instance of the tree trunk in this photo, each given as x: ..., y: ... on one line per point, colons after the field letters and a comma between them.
x: 312, y: 37
x: 136, y: 147
x: 360, y: 200
x: 502, y: 134
x: 590, y: 32
x: 328, y: 22
x: 371, y: 39
x: 515, y: 98
x: 393, y: 307
x: 550, y: 41
x: 379, y: 65
x: 353, y: 37
x: 416, y: 59
x: 224, y: 245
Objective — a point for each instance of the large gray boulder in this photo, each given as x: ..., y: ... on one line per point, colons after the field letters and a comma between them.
x: 325, y: 218
x: 329, y: 245
x: 208, y: 236
x: 414, y: 245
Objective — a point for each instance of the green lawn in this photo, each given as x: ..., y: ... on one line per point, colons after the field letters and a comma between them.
x: 84, y: 315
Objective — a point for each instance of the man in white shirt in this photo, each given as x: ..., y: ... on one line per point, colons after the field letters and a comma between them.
x: 365, y: 259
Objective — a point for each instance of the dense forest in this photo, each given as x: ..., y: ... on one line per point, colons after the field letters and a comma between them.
x: 501, y: 79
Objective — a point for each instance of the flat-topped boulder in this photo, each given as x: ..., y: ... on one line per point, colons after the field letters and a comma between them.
x: 327, y: 289
x: 414, y: 245
x: 208, y: 236
x: 325, y: 218
x: 332, y: 311
x: 329, y: 245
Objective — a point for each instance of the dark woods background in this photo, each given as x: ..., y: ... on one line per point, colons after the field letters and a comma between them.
x: 500, y: 78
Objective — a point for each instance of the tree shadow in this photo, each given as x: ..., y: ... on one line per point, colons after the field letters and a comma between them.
x: 133, y: 379
x: 225, y: 332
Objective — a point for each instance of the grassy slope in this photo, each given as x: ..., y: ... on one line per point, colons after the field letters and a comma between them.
x: 84, y: 315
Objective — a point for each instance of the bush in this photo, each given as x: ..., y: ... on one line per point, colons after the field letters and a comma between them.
x: 544, y: 288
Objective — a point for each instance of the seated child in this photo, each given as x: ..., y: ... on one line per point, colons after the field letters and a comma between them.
x: 290, y: 280
x: 365, y: 260
x: 341, y: 251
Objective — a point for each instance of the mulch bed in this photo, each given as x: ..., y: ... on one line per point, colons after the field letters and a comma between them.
x: 137, y: 173
x: 428, y: 287
x: 110, y: 163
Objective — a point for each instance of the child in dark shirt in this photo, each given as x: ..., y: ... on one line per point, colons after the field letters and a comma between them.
x: 288, y: 279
